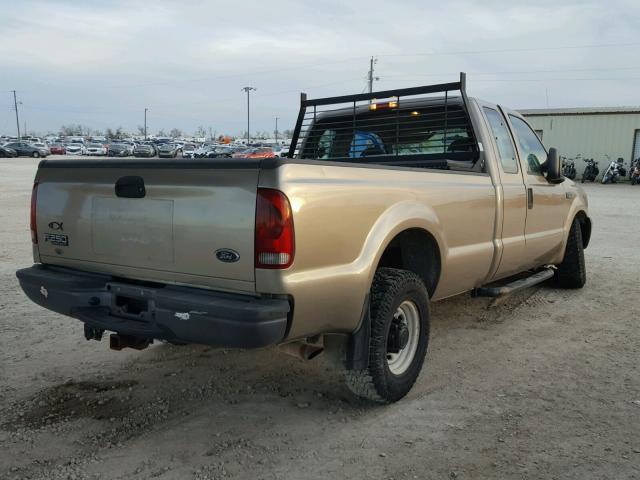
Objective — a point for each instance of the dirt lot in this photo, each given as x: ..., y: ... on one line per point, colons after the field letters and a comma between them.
x: 546, y: 385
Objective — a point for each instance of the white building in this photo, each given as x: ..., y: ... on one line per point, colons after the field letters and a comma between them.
x: 590, y: 132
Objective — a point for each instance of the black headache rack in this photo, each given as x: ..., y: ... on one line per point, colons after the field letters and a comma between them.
x: 424, y: 127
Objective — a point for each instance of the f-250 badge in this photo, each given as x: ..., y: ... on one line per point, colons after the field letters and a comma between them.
x: 57, y: 239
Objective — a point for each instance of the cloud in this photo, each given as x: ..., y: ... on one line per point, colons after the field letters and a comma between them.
x: 103, y: 62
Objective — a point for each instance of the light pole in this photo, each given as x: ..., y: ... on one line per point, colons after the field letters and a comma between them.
x: 145, y: 122
x: 277, y: 118
x: 15, y: 104
x: 248, y: 90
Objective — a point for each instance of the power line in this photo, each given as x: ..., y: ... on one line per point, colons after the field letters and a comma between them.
x: 508, y: 50
x: 350, y: 59
x: 597, y: 69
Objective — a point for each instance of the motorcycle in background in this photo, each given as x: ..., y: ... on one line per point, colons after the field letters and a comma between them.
x: 614, y: 171
x: 634, y: 172
x: 569, y: 167
x: 621, y: 169
x: 591, y: 171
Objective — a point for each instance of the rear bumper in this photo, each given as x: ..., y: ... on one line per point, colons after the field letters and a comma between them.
x: 183, y: 314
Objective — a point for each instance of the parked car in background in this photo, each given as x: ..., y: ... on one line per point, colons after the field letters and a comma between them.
x: 96, y: 149
x: 43, y: 146
x: 100, y: 140
x: 6, y: 152
x: 220, y: 151
x: 203, y: 150
x: 58, y: 149
x: 169, y: 150
x: 144, y: 150
x: 120, y: 150
x: 188, y: 150
x: 260, y: 152
x: 242, y: 152
x: 75, y: 148
x: 280, y: 151
x: 24, y: 149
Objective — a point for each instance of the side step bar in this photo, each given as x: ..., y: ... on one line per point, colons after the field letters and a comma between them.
x: 514, y: 286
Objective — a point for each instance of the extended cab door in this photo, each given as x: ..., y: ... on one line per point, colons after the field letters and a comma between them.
x: 545, y: 201
x: 511, y: 234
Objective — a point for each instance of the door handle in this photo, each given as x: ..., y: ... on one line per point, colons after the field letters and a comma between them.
x: 529, y: 198
x: 130, y: 187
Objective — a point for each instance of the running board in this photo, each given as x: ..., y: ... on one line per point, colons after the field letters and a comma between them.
x: 514, y: 286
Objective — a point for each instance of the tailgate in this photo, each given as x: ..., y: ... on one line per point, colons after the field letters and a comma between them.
x: 193, y: 222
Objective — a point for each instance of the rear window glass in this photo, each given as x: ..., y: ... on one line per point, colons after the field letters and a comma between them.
x: 433, y: 134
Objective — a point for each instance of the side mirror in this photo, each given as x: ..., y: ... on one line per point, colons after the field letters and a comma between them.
x: 554, y: 167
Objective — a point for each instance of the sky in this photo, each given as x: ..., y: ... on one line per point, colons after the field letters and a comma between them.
x: 101, y: 63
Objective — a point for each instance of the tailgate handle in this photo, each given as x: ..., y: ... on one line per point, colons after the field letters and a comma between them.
x: 130, y: 187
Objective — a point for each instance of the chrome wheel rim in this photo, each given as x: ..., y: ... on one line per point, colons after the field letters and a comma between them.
x: 407, y: 315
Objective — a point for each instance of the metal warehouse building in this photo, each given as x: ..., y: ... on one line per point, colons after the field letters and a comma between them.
x: 591, y: 132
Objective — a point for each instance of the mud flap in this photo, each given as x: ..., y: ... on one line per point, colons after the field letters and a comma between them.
x: 358, y: 351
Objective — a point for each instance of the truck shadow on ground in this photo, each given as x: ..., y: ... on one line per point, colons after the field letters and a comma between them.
x: 167, y: 381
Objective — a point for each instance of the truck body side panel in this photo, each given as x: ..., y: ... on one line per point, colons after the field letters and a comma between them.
x: 344, y: 217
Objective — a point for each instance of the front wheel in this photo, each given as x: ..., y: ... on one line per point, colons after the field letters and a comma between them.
x: 399, y: 316
x: 572, y: 272
x: 35, y: 154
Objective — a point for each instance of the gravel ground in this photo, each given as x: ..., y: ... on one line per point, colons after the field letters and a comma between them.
x: 544, y: 385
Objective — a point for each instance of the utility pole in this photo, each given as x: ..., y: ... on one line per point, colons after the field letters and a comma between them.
x: 15, y: 104
x: 371, y: 78
x: 145, y: 122
x: 277, y: 118
x: 248, y: 90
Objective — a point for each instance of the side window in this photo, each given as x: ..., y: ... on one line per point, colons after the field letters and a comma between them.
x: 532, y: 149
x: 503, y: 140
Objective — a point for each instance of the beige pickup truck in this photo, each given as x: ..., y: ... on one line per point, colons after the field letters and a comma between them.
x: 387, y: 202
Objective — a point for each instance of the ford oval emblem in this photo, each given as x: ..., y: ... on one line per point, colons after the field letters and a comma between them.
x: 227, y: 255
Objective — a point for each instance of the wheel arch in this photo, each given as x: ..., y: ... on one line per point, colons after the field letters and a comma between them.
x: 416, y: 250
x: 410, y: 233
x: 585, y: 227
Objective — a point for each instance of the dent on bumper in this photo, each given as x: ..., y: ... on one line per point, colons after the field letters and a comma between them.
x: 183, y: 314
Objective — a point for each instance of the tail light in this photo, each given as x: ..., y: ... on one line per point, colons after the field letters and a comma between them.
x: 34, y: 201
x: 275, y: 242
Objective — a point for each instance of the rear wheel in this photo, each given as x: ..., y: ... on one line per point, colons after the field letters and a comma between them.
x: 399, y: 315
x: 572, y: 272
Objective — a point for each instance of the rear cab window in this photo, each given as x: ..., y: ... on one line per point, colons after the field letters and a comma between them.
x: 431, y: 135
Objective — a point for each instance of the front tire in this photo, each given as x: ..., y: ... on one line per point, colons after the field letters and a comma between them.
x: 35, y: 155
x: 572, y: 272
x: 399, y: 316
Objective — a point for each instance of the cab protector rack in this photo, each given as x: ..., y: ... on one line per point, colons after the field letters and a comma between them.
x: 397, y: 127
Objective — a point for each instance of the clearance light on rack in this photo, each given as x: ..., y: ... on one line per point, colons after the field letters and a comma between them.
x: 383, y: 105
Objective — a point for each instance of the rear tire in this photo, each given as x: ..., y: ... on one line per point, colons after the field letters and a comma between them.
x: 572, y: 272
x: 399, y: 303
